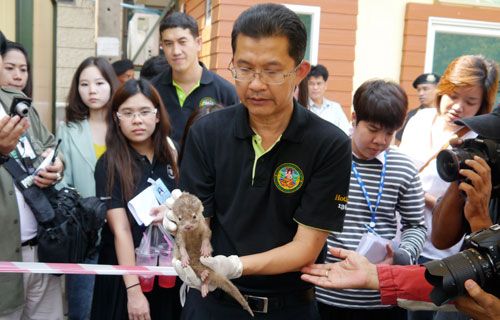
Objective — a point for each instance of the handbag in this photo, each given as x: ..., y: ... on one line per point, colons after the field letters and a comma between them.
x: 68, y: 225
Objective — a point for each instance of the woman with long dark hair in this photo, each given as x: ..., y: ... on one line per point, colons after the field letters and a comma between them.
x: 137, y: 150
x: 82, y: 143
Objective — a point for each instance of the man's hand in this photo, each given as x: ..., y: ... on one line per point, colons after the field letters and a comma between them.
x: 168, y: 216
x: 480, y: 305
x: 51, y: 174
x: 11, y: 129
x: 355, y: 271
x: 188, y: 276
x: 478, y: 194
x: 231, y: 267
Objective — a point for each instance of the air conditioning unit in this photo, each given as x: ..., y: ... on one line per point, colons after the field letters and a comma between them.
x: 138, y: 28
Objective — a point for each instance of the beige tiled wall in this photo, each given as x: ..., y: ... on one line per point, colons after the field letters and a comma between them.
x: 8, y: 18
x: 75, y: 42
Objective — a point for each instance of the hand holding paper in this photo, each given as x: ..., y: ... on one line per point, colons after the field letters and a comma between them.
x: 373, y: 247
x: 145, y: 207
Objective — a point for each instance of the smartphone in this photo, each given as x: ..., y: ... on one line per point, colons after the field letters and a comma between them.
x: 50, y: 159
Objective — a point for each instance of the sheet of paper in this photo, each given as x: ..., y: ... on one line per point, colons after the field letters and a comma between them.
x: 140, y: 206
x: 373, y: 247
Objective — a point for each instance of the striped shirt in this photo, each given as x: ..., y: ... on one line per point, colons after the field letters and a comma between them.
x: 402, y: 193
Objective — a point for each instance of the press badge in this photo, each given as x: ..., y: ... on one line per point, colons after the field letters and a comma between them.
x: 161, y: 191
x: 24, y: 148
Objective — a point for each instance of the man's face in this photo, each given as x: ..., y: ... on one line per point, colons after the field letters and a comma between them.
x: 126, y: 76
x: 369, y: 139
x: 180, y: 48
x: 268, y: 55
x: 426, y: 94
x: 317, y: 88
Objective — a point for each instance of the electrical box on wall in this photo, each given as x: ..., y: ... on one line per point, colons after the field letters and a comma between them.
x: 138, y: 28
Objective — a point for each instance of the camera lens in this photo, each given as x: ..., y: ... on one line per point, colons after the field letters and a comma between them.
x: 448, y: 275
x: 22, y: 109
x: 448, y: 165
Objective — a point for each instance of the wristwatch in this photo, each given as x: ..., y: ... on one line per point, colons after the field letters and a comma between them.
x: 3, y: 158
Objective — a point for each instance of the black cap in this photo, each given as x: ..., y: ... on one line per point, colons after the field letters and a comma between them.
x: 431, y: 78
x: 121, y: 66
x: 3, y: 43
x: 485, y: 125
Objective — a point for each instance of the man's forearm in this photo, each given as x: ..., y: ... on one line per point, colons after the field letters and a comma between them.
x: 301, y: 251
x: 448, y: 219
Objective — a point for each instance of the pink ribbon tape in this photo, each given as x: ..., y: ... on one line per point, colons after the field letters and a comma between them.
x: 74, y: 268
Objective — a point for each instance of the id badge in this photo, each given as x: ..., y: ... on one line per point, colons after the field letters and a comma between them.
x: 161, y: 191
x: 24, y: 148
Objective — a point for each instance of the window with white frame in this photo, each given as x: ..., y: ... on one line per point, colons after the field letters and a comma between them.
x: 208, y: 12
x: 310, y: 16
x: 486, y: 3
x: 448, y: 39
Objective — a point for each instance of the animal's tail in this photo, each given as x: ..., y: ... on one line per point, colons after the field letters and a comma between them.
x: 226, y: 285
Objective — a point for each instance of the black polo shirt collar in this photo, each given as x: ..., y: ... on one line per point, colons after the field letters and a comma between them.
x: 206, y: 76
x: 140, y: 158
x: 294, y: 131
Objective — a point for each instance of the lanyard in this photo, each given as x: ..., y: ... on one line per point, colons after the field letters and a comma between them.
x: 373, y: 209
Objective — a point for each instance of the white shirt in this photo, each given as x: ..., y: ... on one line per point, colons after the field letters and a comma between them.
x: 423, y: 137
x: 332, y: 112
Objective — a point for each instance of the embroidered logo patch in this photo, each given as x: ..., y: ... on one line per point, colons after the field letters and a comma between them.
x: 207, y: 101
x: 288, y: 178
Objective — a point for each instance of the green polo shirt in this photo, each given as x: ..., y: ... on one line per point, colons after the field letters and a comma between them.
x: 181, y: 94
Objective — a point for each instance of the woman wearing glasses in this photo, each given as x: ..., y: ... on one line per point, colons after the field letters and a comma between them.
x: 82, y: 143
x: 137, y: 150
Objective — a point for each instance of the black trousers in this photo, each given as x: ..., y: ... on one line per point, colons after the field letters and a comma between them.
x: 211, y: 308
x: 328, y: 312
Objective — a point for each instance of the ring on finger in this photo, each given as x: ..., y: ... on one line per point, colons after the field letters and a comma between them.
x: 326, y: 273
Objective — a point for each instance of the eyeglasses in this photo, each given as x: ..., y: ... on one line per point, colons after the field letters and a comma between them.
x: 265, y: 76
x: 143, y: 114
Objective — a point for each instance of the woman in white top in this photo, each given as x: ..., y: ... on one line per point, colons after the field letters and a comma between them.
x: 467, y: 88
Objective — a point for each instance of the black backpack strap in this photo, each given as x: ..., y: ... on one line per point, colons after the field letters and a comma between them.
x: 34, y: 196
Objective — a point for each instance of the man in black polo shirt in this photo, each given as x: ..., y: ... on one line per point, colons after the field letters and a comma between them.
x: 187, y: 85
x: 273, y: 177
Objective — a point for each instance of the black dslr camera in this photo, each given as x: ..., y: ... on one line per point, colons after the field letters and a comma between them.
x: 20, y: 106
x: 480, y: 262
x: 449, y: 162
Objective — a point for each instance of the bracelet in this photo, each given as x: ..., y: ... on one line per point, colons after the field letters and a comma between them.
x: 133, y: 285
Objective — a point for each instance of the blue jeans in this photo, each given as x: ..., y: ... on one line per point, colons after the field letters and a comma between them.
x: 79, y: 291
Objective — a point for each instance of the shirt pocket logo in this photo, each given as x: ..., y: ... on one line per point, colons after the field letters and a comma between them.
x: 288, y: 178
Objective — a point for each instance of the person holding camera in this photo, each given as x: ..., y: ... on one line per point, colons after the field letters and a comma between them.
x: 467, y: 88
x: 25, y: 142
x: 16, y: 72
x: 472, y: 202
x: 402, y: 285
